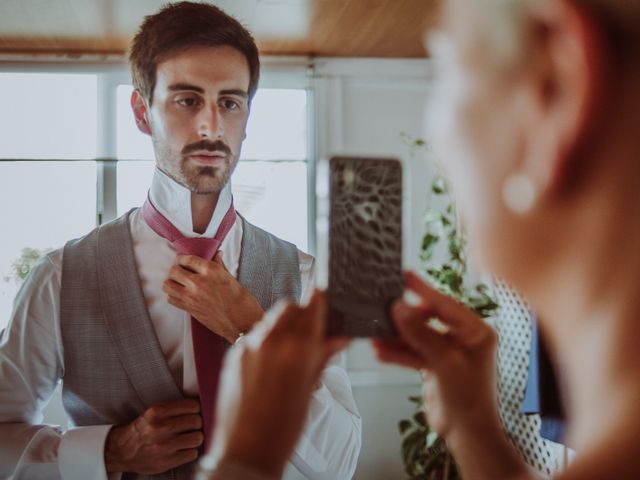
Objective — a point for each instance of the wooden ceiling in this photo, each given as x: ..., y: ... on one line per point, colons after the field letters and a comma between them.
x: 333, y: 28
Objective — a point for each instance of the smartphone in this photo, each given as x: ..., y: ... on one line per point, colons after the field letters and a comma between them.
x: 365, y: 245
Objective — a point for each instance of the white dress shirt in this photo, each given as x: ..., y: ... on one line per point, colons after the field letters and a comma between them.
x: 32, y: 360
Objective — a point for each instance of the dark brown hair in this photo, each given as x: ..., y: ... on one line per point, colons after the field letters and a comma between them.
x: 179, y: 26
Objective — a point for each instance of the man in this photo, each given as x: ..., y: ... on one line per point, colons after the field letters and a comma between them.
x: 539, y: 107
x: 134, y: 318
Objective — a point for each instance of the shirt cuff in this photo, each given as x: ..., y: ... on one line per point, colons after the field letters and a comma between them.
x: 81, y: 454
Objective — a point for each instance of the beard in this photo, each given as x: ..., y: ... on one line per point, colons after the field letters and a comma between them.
x: 203, y: 180
x: 197, y: 179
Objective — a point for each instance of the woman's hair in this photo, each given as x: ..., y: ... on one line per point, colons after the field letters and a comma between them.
x: 619, y: 20
x: 179, y: 26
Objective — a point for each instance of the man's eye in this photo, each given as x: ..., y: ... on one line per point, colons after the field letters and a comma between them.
x: 230, y: 104
x: 187, y: 101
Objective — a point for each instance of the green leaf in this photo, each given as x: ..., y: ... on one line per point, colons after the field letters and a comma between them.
x: 429, y: 242
x: 403, y: 426
x: 431, y: 216
x: 432, y: 437
x: 23, y: 265
x: 420, y: 418
x: 455, y: 248
x: 438, y: 186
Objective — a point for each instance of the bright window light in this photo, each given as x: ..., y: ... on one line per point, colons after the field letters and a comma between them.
x: 132, y: 144
x: 42, y: 205
x: 48, y: 116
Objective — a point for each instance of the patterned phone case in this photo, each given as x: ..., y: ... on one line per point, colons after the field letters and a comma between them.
x: 365, y: 245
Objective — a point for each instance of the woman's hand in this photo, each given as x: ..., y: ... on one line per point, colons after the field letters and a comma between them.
x: 457, y: 360
x: 261, y: 414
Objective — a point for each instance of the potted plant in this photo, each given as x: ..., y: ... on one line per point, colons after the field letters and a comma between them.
x: 424, y: 453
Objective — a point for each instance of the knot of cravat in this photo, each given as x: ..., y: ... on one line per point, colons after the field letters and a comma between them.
x: 199, y: 246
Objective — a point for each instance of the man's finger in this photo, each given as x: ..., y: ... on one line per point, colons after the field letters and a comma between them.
x: 173, y: 288
x: 182, y: 276
x: 185, y: 406
x: 185, y: 441
x: 184, y: 423
x: 218, y: 260
x: 181, y: 457
x: 194, y: 263
x: 177, y: 302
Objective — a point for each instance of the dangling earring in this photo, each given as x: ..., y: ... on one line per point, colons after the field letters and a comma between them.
x: 519, y: 193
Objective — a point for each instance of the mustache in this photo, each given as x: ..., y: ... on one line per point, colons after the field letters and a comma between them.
x: 217, y: 146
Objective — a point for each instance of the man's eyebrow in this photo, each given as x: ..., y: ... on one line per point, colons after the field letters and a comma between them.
x: 176, y: 87
x: 179, y: 87
x: 237, y: 92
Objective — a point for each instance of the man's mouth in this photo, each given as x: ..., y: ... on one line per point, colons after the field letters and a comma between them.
x: 208, y: 158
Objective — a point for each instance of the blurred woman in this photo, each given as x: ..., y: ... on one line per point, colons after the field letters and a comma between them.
x: 538, y: 114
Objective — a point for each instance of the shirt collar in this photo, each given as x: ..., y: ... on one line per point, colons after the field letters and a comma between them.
x: 174, y: 202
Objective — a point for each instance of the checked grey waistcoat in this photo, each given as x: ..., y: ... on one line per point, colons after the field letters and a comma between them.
x: 114, y: 365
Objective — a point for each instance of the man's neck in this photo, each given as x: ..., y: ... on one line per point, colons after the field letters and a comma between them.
x: 202, y: 208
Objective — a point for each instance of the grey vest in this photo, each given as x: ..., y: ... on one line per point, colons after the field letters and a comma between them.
x: 114, y: 365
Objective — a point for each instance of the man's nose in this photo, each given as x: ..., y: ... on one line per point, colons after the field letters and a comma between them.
x: 210, y: 124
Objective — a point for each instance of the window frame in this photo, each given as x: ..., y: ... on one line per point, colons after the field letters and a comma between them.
x: 113, y: 70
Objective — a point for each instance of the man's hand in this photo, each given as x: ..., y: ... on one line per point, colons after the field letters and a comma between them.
x: 164, y: 437
x: 210, y: 294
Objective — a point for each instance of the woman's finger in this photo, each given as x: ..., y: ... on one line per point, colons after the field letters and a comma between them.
x: 334, y: 345
x: 312, y: 318
x: 462, y: 323
x: 399, y: 354
x: 286, y: 314
x: 414, y: 331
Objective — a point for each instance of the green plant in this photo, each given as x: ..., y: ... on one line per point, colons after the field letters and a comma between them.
x: 424, y: 453
x: 23, y: 265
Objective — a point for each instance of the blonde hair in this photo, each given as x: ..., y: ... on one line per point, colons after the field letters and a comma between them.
x: 620, y: 20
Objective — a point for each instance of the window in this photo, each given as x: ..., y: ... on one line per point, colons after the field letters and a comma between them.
x: 71, y: 156
x: 48, y: 116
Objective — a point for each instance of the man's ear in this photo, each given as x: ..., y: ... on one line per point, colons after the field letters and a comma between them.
x: 139, y: 107
x: 568, y: 84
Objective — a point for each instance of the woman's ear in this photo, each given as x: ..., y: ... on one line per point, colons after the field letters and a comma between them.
x: 139, y: 107
x: 566, y: 92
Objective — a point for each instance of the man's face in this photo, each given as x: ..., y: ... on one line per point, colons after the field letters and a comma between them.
x: 198, y: 116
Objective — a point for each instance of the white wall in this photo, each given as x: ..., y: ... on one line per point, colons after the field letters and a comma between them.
x: 362, y: 107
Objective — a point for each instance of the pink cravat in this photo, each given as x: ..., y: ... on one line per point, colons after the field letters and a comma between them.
x: 208, y: 348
